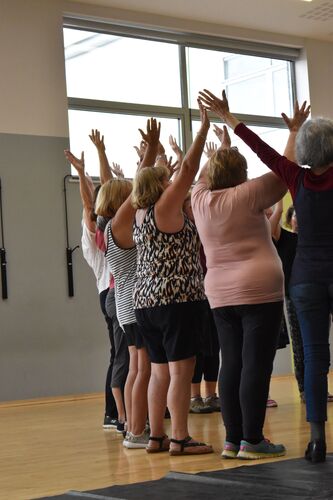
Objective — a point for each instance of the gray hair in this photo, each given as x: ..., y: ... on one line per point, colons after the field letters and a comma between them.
x: 314, y: 143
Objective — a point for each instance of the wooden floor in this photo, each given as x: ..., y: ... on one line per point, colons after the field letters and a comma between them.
x: 48, y: 447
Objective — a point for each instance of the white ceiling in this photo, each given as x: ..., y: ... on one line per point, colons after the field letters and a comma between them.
x: 293, y: 17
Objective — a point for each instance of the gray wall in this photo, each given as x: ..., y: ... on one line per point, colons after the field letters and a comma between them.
x: 51, y: 344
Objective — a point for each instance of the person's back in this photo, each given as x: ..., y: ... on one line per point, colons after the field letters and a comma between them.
x: 242, y: 264
x: 168, y: 269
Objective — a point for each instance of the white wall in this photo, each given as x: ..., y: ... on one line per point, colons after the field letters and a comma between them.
x: 50, y: 344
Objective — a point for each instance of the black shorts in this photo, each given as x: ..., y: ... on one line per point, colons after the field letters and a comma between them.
x: 172, y: 332
x: 133, y: 335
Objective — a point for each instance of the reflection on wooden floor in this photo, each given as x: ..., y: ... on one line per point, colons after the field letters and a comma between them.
x: 52, y: 446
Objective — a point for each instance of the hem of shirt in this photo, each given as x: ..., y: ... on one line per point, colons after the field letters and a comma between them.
x: 244, y: 302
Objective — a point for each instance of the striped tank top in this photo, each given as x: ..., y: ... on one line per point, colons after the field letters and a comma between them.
x: 168, y: 266
x: 122, y: 265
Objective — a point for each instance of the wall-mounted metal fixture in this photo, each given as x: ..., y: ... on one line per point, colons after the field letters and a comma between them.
x: 3, y: 261
x: 69, y: 250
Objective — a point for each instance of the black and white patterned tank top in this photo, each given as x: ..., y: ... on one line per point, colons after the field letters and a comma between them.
x: 122, y: 265
x: 168, y: 265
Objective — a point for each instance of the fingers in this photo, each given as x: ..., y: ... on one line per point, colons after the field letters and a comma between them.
x: 210, y: 94
x: 285, y: 118
x: 152, y: 134
x: 226, y: 141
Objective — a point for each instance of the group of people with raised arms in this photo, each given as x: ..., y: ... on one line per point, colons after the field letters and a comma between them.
x: 150, y: 235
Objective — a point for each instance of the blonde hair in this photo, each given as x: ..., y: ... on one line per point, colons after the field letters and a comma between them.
x: 227, y: 168
x: 148, y: 185
x: 111, y: 196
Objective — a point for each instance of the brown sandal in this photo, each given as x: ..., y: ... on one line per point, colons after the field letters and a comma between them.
x: 187, y: 443
x: 163, y: 441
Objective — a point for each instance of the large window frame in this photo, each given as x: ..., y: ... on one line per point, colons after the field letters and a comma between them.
x: 185, y: 114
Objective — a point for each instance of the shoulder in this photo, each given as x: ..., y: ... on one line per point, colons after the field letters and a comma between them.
x: 199, y: 189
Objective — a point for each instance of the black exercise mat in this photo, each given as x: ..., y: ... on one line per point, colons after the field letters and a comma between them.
x: 288, y: 480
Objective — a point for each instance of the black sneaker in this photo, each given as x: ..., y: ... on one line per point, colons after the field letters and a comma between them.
x: 109, y: 422
x: 121, y: 427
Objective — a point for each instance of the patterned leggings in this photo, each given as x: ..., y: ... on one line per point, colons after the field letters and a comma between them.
x: 296, y: 340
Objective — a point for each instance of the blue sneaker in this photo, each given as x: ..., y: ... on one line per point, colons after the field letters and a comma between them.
x: 230, y: 450
x: 264, y: 449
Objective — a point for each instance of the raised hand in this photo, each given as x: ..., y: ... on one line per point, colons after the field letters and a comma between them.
x: 223, y: 136
x: 300, y: 116
x: 226, y: 141
x: 117, y: 170
x: 211, y: 148
x: 152, y: 136
x: 141, y: 149
x: 218, y: 132
x: 173, y: 167
x: 174, y: 146
x: 97, y: 139
x: 78, y: 163
x: 213, y: 103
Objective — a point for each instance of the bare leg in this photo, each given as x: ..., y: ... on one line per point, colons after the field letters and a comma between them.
x: 181, y: 373
x: 210, y: 389
x: 195, y: 390
x: 132, y: 373
x: 157, y: 396
x: 139, y: 393
x: 179, y: 394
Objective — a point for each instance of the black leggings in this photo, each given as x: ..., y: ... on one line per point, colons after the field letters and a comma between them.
x: 248, y: 338
x: 110, y: 404
x: 208, y: 366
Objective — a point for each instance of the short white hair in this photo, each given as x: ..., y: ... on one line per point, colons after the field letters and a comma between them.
x: 314, y: 143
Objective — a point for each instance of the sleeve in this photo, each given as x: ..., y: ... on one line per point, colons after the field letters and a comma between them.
x: 198, y: 190
x: 88, y: 245
x: 265, y: 191
x: 287, y: 170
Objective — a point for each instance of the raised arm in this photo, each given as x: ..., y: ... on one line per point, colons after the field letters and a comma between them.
x: 294, y: 124
x: 169, y: 207
x: 85, y: 188
x: 275, y: 219
x: 280, y: 165
x: 122, y: 222
x: 225, y: 143
x: 176, y: 149
x: 104, y: 167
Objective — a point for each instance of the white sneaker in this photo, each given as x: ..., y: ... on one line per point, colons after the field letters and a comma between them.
x: 140, y: 441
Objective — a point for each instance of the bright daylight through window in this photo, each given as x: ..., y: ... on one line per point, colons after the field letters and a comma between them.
x: 114, y: 83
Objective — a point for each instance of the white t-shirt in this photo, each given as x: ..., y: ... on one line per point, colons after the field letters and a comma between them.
x: 95, y: 258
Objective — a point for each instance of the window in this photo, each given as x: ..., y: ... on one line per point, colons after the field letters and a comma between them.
x: 275, y: 137
x: 118, y: 77
x: 120, y: 136
x: 254, y: 85
x: 115, y: 68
